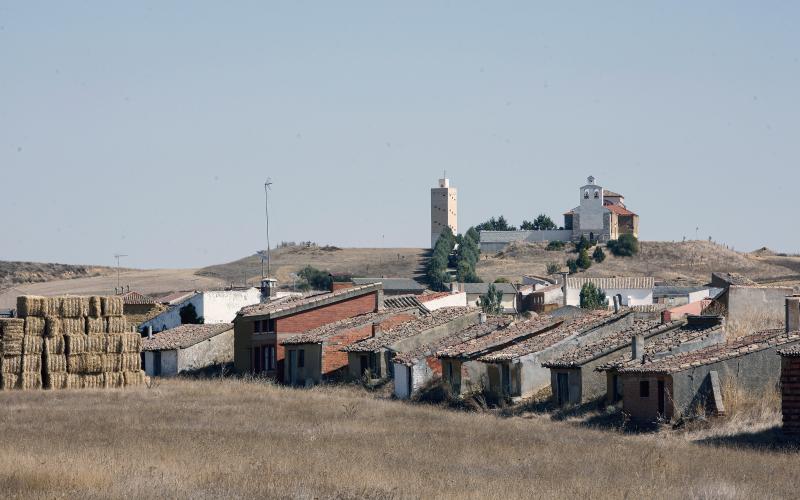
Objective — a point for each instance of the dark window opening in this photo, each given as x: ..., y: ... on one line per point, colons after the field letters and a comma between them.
x: 301, y: 358
x: 661, y: 402
x: 156, y: 363
x: 562, y: 388
x: 270, y: 355
x: 644, y: 389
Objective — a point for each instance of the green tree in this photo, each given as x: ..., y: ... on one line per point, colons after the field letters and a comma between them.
x: 625, y: 246
x: 189, y: 315
x: 436, y: 270
x: 314, y: 278
x: 499, y: 224
x: 541, y: 223
x: 584, y: 262
x: 492, y: 302
x: 572, y: 265
x: 501, y: 279
x: 583, y: 244
x: 599, y: 255
x: 593, y: 297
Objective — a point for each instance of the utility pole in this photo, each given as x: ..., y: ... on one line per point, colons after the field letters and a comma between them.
x: 117, y: 256
x: 267, y: 188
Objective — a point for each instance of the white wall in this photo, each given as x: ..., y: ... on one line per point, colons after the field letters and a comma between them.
x: 222, y: 306
x: 453, y: 300
x: 420, y: 374
x: 169, y: 363
x: 630, y: 296
x: 401, y: 374
x: 172, y: 316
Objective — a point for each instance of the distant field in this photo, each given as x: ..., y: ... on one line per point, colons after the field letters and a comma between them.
x: 234, y: 439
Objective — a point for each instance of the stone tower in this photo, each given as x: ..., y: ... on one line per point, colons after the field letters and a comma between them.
x: 444, y: 209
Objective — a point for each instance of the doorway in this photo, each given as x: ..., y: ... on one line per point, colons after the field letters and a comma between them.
x: 661, y: 402
x: 562, y: 388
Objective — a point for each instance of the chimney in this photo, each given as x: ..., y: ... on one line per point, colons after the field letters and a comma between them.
x: 149, y: 332
x: 616, y: 305
x: 269, y: 286
x: 564, y: 288
x: 376, y: 329
x: 792, y: 313
x: 482, y: 318
x: 637, y: 346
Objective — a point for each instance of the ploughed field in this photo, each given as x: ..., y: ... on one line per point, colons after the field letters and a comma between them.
x: 237, y: 438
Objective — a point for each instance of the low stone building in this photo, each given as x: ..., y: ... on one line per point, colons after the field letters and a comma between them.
x: 693, y: 382
x: 317, y: 354
x: 374, y: 355
x: 188, y: 348
x: 631, y: 291
x: 213, y: 306
x: 579, y: 377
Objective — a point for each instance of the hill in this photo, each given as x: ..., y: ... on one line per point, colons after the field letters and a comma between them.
x: 16, y: 273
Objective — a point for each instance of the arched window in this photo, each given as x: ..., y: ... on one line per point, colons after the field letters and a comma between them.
x: 586, y: 195
x: 596, y: 194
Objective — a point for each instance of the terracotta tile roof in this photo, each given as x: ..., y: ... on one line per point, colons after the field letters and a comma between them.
x: 618, y: 209
x: 175, y: 297
x: 183, y: 336
x: 664, y: 345
x: 297, y: 303
x: 608, y: 344
x: 741, y: 346
x: 136, y: 298
x: 409, y: 329
x: 547, y: 339
x: 639, y: 282
x: 790, y: 352
x: 320, y: 334
x: 612, y: 194
x: 473, y: 332
x: 503, y: 336
x: 427, y: 297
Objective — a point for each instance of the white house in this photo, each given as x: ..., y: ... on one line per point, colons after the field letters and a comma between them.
x: 187, y: 348
x: 631, y: 291
x: 215, y: 306
x: 475, y: 291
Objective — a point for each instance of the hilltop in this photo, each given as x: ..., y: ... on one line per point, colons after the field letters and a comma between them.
x: 16, y: 273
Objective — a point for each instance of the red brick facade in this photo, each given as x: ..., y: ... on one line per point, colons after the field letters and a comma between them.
x: 790, y: 394
x: 646, y: 408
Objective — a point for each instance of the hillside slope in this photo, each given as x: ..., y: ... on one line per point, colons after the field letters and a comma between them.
x: 14, y: 273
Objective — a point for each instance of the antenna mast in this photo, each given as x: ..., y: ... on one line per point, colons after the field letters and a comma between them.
x: 117, y: 256
x: 267, y: 189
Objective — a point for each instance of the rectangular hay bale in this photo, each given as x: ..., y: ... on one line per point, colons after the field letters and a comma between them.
x: 30, y: 381
x: 12, y: 328
x: 11, y: 365
x: 124, y: 342
x: 35, y: 326
x: 52, y: 326
x: 84, y: 363
x: 130, y: 362
x: 11, y: 347
x: 57, y: 380
x: 52, y: 306
x: 112, y: 306
x: 113, y: 380
x: 55, y: 363
x: 74, y: 307
x: 55, y: 345
x: 30, y: 305
x: 9, y: 381
x: 116, y: 324
x: 95, y: 306
x: 95, y: 325
x: 111, y: 362
x: 73, y: 326
x: 31, y: 363
x: 32, y: 345
x: 80, y: 344
x: 134, y: 378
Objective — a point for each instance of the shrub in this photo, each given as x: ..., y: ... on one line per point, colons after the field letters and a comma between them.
x: 540, y: 223
x: 572, y: 264
x: 584, y: 262
x: 492, y: 302
x: 314, y: 278
x: 553, y: 267
x: 593, y: 297
x: 501, y: 279
x: 554, y: 246
x: 583, y: 244
x: 599, y: 255
x: 626, y: 246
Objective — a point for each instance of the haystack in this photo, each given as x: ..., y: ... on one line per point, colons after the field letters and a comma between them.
x: 30, y: 381
x: 54, y: 345
x: 80, y: 344
x: 9, y: 381
x: 84, y: 363
x: 130, y: 362
x: 56, y: 380
x: 95, y: 325
x: 95, y: 306
x: 134, y: 378
x: 32, y: 345
x: 52, y: 306
x: 112, y: 306
x: 12, y: 328
x: 111, y: 362
x: 32, y: 363
x: 11, y: 364
x: 113, y: 380
x: 34, y: 326
x: 9, y: 347
x: 74, y: 307
x: 52, y: 326
x: 55, y: 363
x: 124, y: 342
x: 116, y: 324
x: 73, y: 326
x: 30, y: 305
x: 75, y: 381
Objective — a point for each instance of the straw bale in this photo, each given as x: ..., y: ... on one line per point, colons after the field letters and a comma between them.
x: 52, y: 306
x: 116, y: 324
x: 34, y: 326
x: 74, y: 381
x: 92, y: 381
x: 80, y: 344
x: 112, y: 306
x: 124, y: 342
x: 134, y: 378
x: 9, y: 381
x: 95, y: 306
x: 30, y: 305
x: 95, y: 325
x: 96, y: 343
x: 114, y: 380
x: 52, y: 326
x: 57, y: 380
x: 130, y: 362
x: 85, y: 363
x: 55, y: 363
x: 55, y: 345
x: 31, y: 381
x: 11, y: 364
x: 111, y: 362
x: 31, y: 363
x: 73, y: 326
x: 12, y: 328
x: 11, y: 347
x: 32, y: 345
x: 74, y: 307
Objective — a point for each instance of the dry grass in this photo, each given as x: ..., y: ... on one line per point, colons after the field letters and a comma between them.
x: 236, y: 438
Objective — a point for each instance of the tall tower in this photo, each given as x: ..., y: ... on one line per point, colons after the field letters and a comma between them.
x: 444, y: 209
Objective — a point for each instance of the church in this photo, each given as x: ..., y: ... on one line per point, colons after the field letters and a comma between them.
x: 601, y: 216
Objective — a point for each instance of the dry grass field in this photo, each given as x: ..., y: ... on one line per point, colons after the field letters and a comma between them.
x: 237, y: 438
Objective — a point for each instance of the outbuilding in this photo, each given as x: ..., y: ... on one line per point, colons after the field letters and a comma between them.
x: 188, y: 348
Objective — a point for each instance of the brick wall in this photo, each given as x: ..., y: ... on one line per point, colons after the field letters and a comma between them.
x: 790, y: 394
x: 645, y: 409
x: 312, y: 318
x: 435, y: 364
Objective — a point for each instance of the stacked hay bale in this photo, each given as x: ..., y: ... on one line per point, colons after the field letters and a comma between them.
x: 12, y: 333
x: 71, y: 343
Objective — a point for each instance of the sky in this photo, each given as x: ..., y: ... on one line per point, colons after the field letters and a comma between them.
x: 149, y: 128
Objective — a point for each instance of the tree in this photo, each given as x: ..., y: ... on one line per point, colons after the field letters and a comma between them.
x: 584, y: 262
x: 499, y: 224
x: 492, y: 302
x: 593, y: 297
x: 572, y: 264
x: 501, y: 279
x: 467, y: 256
x: 189, y: 315
x: 583, y: 244
x: 626, y: 246
x: 436, y: 270
x: 599, y: 255
x: 314, y: 278
x: 541, y: 223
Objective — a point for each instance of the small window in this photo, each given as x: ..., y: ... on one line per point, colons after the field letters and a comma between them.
x: 644, y: 389
x: 301, y: 358
x: 256, y: 327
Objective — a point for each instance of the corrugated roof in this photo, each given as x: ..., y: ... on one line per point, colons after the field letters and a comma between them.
x: 392, y: 284
x: 183, y: 336
x: 402, y: 302
x: 638, y: 282
x: 741, y: 346
x: 295, y: 303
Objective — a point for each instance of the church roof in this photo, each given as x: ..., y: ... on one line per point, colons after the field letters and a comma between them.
x: 619, y: 210
x: 607, y: 192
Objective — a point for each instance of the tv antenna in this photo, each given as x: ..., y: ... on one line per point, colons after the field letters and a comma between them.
x: 118, y: 256
x: 267, y: 189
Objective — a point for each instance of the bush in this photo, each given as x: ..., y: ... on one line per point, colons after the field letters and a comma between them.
x: 584, y: 262
x: 499, y: 224
x: 554, y: 246
x: 626, y: 246
x: 583, y: 244
x: 553, y: 268
x: 492, y: 302
x: 572, y: 264
x: 599, y: 255
x: 593, y: 297
x: 502, y: 279
x: 313, y: 278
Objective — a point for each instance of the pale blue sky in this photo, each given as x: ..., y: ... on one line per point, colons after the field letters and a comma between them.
x: 149, y: 128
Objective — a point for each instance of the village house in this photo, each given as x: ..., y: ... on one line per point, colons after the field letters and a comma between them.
x: 317, y: 354
x: 629, y: 291
x: 691, y: 383
x: 211, y: 306
x: 374, y: 355
x: 187, y: 348
x: 674, y: 296
x: 138, y: 307
x: 259, y: 329
x: 745, y: 302
x: 394, y: 286
x: 517, y: 371
x: 475, y: 291
x: 541, y: 300
x: 790, y: 371
x: 575, y: 377
x: 416, y: 367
